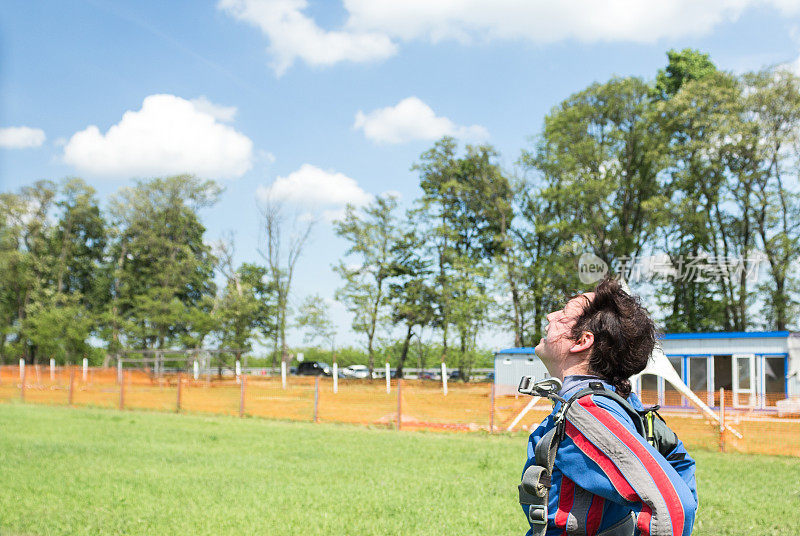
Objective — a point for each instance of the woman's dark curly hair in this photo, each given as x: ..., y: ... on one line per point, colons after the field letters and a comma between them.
x: 624, y: 334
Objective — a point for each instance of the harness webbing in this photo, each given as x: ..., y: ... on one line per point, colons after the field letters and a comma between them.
x: 534, y: 490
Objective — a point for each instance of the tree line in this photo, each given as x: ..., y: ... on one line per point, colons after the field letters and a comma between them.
x: 697, y: 168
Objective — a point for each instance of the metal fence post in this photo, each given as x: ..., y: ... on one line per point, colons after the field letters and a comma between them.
x: 316, y: 399
x: 71, y: 383
x: 180, y: 386
x: 122, y: 392
x: 241, y: 396
x: 721, y: 419
x: 399, y: 403
x: 491, y: 411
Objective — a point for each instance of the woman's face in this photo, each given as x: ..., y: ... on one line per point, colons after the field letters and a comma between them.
x: 555, y: 344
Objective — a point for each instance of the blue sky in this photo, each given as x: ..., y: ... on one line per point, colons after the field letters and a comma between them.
x: 267, y: 94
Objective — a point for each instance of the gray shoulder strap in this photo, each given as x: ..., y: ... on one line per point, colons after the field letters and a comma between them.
x: 546, y: 449
x: 534, y: 491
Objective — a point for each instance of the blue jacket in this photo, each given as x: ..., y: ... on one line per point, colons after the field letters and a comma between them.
x: 605, y: 469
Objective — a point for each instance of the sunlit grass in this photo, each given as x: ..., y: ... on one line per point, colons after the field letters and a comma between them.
x: 91, y: 471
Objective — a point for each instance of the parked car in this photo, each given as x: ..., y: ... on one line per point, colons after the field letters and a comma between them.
x: 381, y: 373
x: 428, y: 375
x: 355, y: 371
x: 313, y: 368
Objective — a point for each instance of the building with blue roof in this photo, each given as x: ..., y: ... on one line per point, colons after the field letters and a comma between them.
x: 755, y: 369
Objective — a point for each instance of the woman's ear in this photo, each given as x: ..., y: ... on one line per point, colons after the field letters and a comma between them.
x: 584, y: 342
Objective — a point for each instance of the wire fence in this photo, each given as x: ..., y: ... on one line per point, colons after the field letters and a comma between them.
x: 399, y: 404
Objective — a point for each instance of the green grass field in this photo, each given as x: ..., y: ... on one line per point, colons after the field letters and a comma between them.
x: 84, y: 471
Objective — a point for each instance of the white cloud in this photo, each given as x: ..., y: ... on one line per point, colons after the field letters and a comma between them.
x: 293, y: 35
x: 546, y: 21
x: 21, y: 137
x: 326, y: 192
x: 411, y: 119
x: 220, y: 113
x: 169, y: 135
x: 375, y: 27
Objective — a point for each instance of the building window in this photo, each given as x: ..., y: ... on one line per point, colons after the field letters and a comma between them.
x: 649, y: 389
x: 774, y: 379
x: 672, y: 396
x: 698, y: 376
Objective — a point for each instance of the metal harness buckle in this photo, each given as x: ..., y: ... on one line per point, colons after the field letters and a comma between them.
x: 544, y: 388
x: 537, y: 514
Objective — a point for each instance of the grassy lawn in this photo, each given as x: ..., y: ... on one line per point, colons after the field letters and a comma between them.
x: 84, y: 471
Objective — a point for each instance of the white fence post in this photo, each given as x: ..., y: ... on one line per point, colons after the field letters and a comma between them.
x: 335, y: 377
x: 283, y: 374
x: 119, y: 371
x: 85, y: 368
x: 196, y: 370
x: 21, y: 368
x: 388, y: 379
x: 444, y: 378
x: 52, y: 369
x: 238, y: 370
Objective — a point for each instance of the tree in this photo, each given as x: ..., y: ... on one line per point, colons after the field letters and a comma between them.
x: 59, y: 326
x: 410, y: 296
x: 773, y: 101
x: 537, y: 258
x: 708, y: 187
x: 27, y: 259
x: 257, y: 278
x: 239, y: 307
x: 78, y: 243
x: 314, y: 316
x: 464, y: 208
x: 51, y: 248
x: 281, y: 255
x: 371, y: 234
x: 599, y: 155
x: 683, y: 66
x: 236, y: 317
x: 162, y: 266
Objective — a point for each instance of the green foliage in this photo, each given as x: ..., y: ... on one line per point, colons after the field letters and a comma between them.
x: 599, y: 156
x: 163, y: 266
x: 59, y: 326
x: 52, y: 242
x: 685, y: 65
x: 371, y: 233
x: 463, y: 213
x: 314, y: 317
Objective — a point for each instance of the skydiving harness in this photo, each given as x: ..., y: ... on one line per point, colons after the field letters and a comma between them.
x: 534, y: 491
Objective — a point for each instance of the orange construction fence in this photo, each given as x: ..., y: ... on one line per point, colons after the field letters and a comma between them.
x: 401, y: 404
